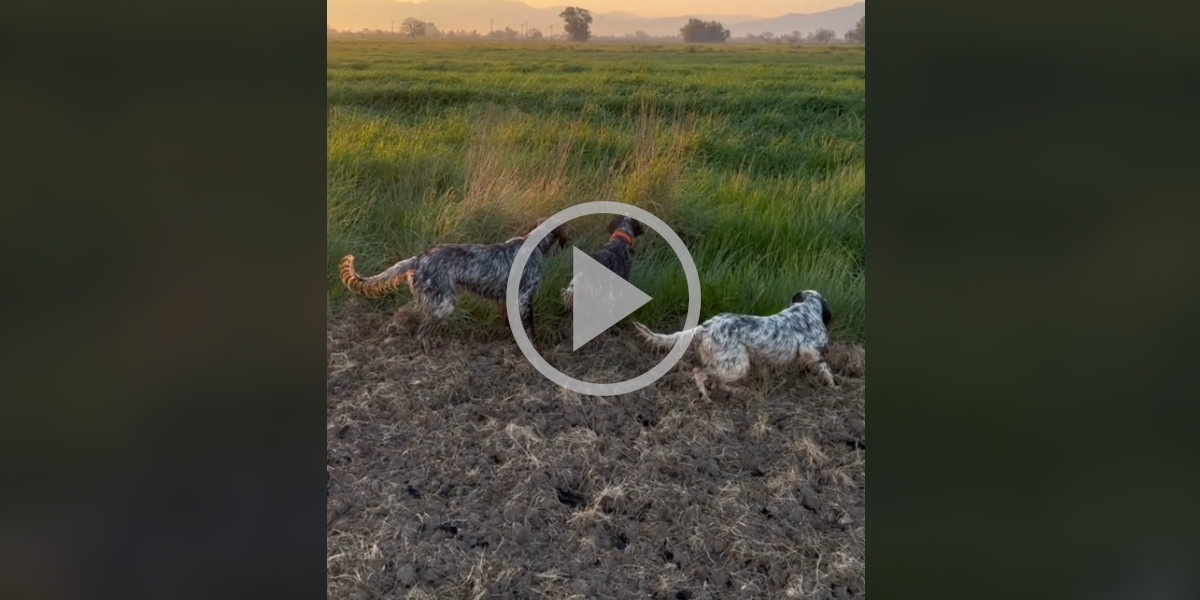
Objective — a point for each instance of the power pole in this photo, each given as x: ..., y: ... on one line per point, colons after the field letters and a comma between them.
x: 490, y: 28
x: 393, y: 27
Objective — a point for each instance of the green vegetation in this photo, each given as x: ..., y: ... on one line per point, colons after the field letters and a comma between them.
x: 754, y: 155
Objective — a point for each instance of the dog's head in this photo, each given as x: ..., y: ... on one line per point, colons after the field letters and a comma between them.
x: 557, y: 238
x: 814, y: 296
x: 629, y: 225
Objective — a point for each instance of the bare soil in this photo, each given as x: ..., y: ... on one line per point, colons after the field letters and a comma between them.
x: 464, y: 473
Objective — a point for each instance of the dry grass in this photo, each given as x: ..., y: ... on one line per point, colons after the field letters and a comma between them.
x: 848, y: 359
x: 465, y: 474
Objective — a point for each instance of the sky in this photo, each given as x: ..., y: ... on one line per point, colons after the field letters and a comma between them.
x: 671, y: 8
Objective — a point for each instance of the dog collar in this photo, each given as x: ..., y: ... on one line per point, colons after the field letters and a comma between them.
x: 625, y: 236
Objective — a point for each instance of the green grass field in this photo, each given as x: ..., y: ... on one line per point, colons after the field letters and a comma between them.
x: 755, y: 155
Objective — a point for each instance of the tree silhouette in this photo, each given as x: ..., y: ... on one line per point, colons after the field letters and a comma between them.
x: 858, y: 35
x: 822, y: 36
x: 413, y: 27
x: 701, y: 31
x: 578, y: 23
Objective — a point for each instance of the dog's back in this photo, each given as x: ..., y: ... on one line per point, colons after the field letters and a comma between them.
x: 779, y: 337
x: 481, y: 269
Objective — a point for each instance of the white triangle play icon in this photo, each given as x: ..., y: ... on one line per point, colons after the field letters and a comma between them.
x: 601, y: 300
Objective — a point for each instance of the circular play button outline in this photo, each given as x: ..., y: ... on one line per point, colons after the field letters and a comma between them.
x: 518, y: 267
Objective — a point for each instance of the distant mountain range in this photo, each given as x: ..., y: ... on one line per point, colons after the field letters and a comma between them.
x: 485, y: 15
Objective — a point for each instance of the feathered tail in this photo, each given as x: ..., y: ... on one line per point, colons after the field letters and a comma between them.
x: 376, y: 286
x: 663, y: 340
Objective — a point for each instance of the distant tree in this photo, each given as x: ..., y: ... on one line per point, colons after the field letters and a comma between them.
x: 578, y: 23
x: 704, y: 32
x: 431, y: 30
x: 767, y: 36
x: 413, y: 27
x: 506, y: 34
x: 822, y: 36
x: 534, y: 33
x: 858, y: 35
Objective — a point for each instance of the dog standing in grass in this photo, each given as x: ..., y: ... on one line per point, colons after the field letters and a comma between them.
x: 728, y: 342
x: 438, y: 274
x: 616, y: 254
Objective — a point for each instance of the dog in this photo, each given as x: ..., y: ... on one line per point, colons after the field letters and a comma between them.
x: 728, y: 342
x: 437, y: 275
x: 616, y: 254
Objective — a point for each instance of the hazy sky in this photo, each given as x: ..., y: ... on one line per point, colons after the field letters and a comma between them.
x: 671, y: 8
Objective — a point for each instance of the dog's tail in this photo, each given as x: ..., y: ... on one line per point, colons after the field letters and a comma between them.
x: 376, y: 286
x: 663, y: 340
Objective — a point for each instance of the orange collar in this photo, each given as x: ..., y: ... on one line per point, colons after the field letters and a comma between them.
x: 624, y: 236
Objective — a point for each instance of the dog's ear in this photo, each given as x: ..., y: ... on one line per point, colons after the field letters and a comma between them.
x: 637, y: 227
x: 560, y: 236
x: 826, y: 314
x: 614, y: 223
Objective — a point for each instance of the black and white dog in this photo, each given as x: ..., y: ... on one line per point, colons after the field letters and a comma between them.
x: 616, y: 254
x: 728, y: 342
x: 438, y: 274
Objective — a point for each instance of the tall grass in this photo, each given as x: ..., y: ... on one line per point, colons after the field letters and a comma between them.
x: 754, y: 156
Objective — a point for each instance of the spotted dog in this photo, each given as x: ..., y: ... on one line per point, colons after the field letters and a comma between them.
x: 728, y: 342
x: 438, y: 274
x: 616, y: 254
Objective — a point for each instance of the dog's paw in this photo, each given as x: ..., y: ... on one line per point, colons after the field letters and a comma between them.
x: 720, y: 395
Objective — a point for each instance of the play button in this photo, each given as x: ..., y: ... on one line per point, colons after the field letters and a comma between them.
x: 602, y: 298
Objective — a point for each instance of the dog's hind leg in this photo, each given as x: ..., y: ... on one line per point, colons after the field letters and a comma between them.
x: 728, y: 363
x: 438, y: 307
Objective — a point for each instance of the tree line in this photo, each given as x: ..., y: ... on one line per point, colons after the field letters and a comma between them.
x: 577, y: 25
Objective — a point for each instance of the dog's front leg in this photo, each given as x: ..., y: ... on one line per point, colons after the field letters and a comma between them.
x: 826, y: 374
x: 813, y: 362
x: 527, y: 320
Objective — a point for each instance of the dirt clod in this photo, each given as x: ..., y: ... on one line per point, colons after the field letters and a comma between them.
x: 406, y: 575
x: 809, y: 498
